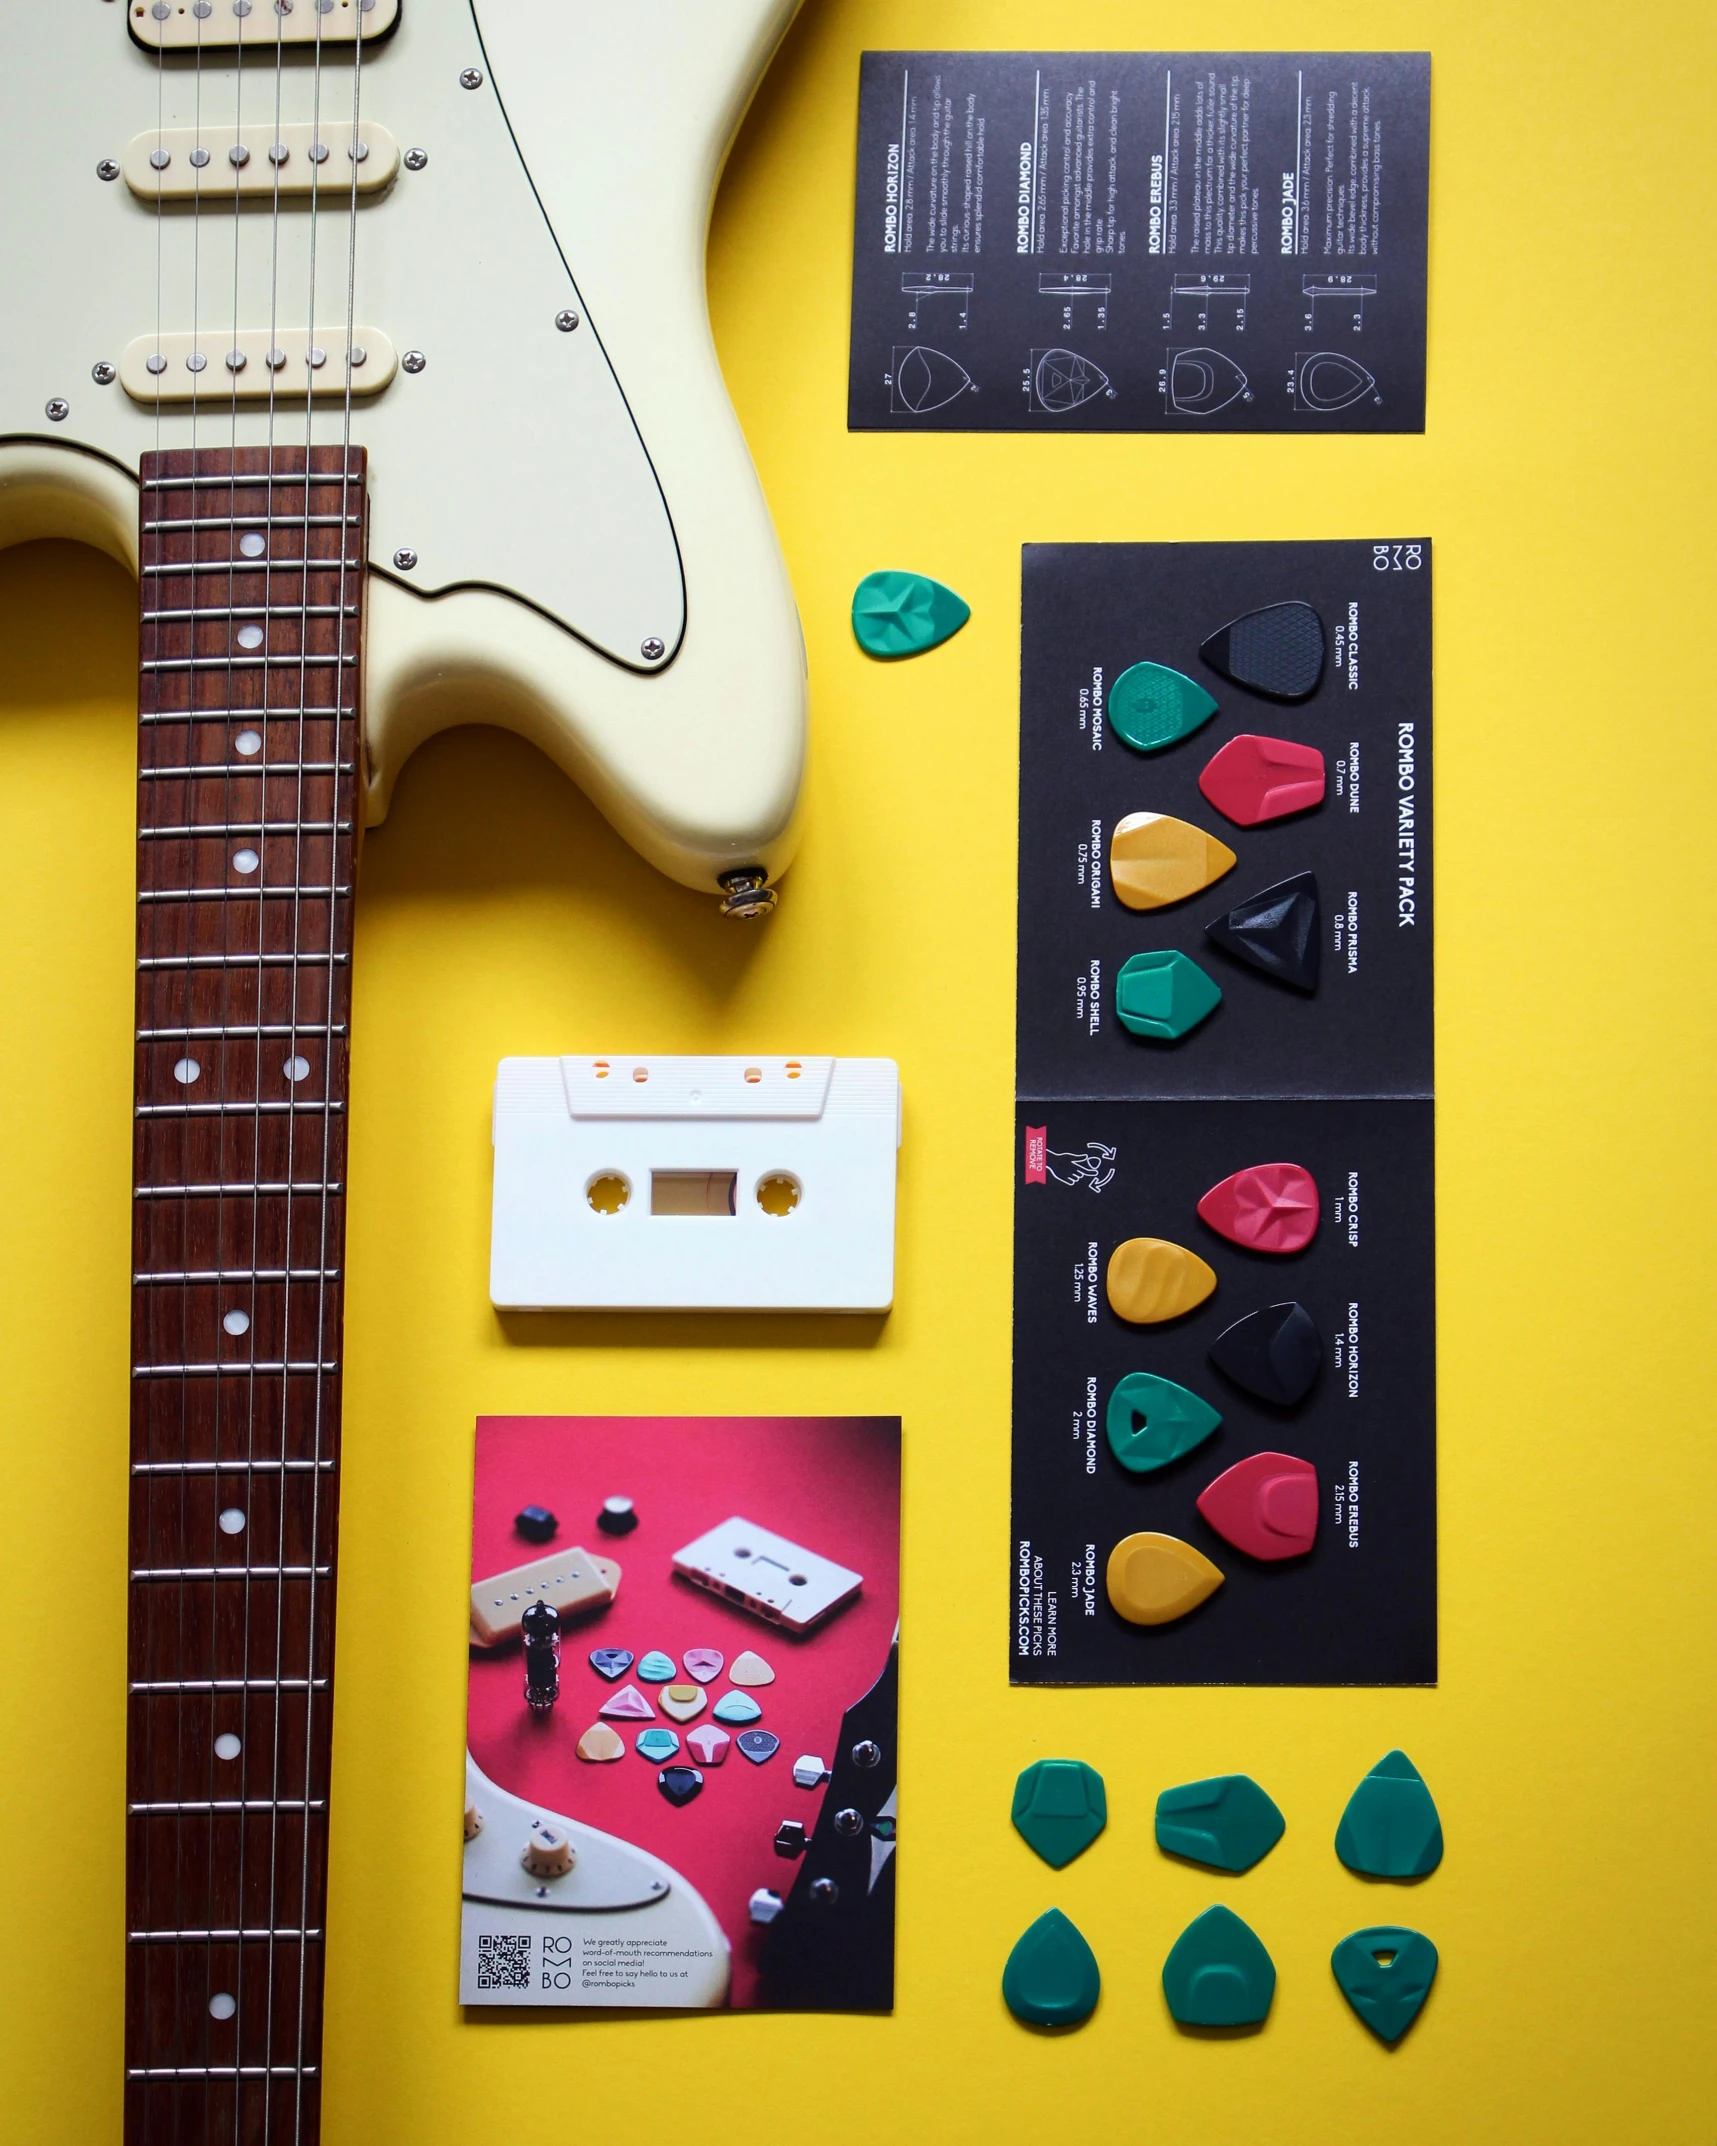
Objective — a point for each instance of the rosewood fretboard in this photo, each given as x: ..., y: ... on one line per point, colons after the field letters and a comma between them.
x: 252, y: 590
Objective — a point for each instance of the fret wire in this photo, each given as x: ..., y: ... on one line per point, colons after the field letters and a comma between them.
x: 229, y: 1937
x: 240, y: 1028
x: 284, y: 480
x: 232, y: 770
x: 255, y: 521
x: 180, y: 962
x: 222, y: 2071
x: 230, y: 1572
x: 239, y: 1367
x: 211, y: 1684
x: 307, y: 1108
x: 230, y: 1467
x: 236, y: 1274
x: 246, y: 715
x: 272, y: 568
x: 243, y: 894
x: 267, y: 661
x: 229, y: 1803
x: 195, y: 611
x: 186, y: 833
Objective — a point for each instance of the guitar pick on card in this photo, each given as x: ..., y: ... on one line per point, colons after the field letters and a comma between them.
x: 1275, y: 1353
x: 757, y: 1745
x: 1253, y: 779
x: 1155, y: 1579
x: 1149, y: 1280
x: 1164, y: 995
x: 610, y: 1662
x: 749, y: 1668
x: 737, y: 1707
x: 701, y: 1664
x: 1276, y: 931
x: 1151, y: 1421
x: 656, y: 1744
x: 1278, y: 651
x: 600, y: 1743
x: 708, y: 1744
x: 1271, y: 1207
x: 680, y: 1783
x: 1155, y: 860
x: 1266, y: 1505
x: 1151, y: 706
x: 657, y: 1667
x: 682, y: 1702
x: 628, y: 1704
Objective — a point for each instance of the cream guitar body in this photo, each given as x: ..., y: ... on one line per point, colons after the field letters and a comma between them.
x: 567, y: 536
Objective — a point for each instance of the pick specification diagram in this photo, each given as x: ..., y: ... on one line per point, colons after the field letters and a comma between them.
x: 921, y: 379
x: 1063, y: 380
x: 1200, y: 381
x: 1329, y: 380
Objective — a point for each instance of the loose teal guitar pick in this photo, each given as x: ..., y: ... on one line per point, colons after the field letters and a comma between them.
x: 1152, y: 1421
x: 1386, y: 1975
x: 1060, y: 1808
x: 897, y: 614
x: 1390, y: 1828
x: 1151, y: 706
x: 1229, y: 1823
x: 1218, y: 1974
x: 1051, y: 1979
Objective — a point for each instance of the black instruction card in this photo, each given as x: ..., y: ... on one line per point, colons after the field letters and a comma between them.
x: 1224, y: 1085
x: 1141, y: 242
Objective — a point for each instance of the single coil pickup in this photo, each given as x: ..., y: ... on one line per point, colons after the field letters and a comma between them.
x: 215, y: 165
x: 255, y: 364
x: 258, y: 25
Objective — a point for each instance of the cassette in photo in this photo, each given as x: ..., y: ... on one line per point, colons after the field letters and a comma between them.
x: 766, y: 1574
x: 694, y: 1184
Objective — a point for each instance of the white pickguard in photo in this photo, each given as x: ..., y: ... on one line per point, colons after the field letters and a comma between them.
x: 583, y: 551
x: 620, y: 1928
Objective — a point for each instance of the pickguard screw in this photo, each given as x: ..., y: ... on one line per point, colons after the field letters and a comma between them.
x: 405, y: 558
x: 107, y: 169
x: 746, y: 894
x: 471, y: 78
x: 416, y: 159
x: 566, y: 321
x: 103, y: 374
x: 653, y: 650
x: 414, y: 361
x: 59, y: 409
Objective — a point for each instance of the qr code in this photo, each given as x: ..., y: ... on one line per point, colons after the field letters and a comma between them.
x: 503, y: 1963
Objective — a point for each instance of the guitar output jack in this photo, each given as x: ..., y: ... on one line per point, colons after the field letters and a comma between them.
x: 747, y: 894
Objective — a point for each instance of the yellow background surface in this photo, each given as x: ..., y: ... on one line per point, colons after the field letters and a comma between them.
x: 1565, y: 478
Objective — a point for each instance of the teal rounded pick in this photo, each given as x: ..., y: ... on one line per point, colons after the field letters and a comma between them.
x: 1390, y: 1828
x: 1051, y: 1979
x: 1164, y: 994
x: 1229, y: 1823
x: 898, y: 614
x: 1060, y: 1808
x: 1151, y: 706
x: 1386, y: 1975
x: 1151, y: 1421
x: 1218, y: 1973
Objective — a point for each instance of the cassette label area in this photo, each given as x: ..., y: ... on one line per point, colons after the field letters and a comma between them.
x: 695, y: 1184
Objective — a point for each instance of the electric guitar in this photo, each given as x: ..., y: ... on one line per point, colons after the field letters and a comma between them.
x: 372, y: 335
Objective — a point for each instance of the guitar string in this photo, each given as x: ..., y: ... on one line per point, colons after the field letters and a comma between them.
x: 322, y: 1292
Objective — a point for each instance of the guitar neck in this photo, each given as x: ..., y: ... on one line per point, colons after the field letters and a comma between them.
x: 251, y: 659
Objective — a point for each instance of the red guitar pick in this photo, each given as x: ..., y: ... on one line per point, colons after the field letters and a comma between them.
x: 1266, y: 1505
x: 1272, y: 1207
x: 1256, y: 779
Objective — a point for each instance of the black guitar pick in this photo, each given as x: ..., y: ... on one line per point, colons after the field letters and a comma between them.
x: 680, y: 1783
x: 1275, y: 1353
x: 1276, y: 931
x: 1278, y: 651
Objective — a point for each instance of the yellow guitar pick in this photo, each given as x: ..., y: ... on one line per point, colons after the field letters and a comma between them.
x: 1153, y: 1579
x: 1155, y: 860
x: 1150, y: 1279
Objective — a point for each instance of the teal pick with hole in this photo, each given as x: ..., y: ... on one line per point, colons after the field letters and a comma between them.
x: 1386, y: 1974
x: 899, y: 614
x: 1151, y: 1421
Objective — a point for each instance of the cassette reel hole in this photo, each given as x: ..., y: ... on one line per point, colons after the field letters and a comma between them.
x: 608, y: 1192
x: 778, y: 1193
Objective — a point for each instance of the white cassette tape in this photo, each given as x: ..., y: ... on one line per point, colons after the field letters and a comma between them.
x: 694, y: 1184
x: 766, y: 1574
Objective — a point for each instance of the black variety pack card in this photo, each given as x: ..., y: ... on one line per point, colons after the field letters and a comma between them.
x: 1126, y: 1125
x: 1141, y: 242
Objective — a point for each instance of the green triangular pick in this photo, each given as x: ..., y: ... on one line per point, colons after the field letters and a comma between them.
x: 899, y: 614
x: 1390, y: 1828
x: 1386, y: 1975
x: 1152, y: 1421
x: 1151, y: 706
x: 1051, y: 1979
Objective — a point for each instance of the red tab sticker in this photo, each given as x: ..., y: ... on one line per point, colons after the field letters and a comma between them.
x: 1036, y: 1153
